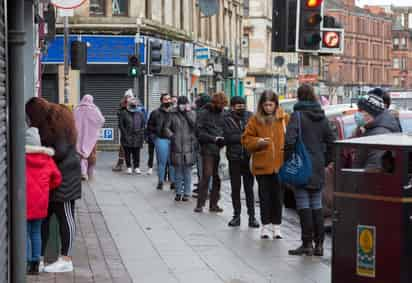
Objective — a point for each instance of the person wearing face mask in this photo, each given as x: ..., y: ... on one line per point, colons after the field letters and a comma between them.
x: 155, y: 128
x: 132, y: 125
x: 180, y: 129
x: 264, y: 138
x: 373, y: 119
x: 210, y: 125
x: 238, y: 157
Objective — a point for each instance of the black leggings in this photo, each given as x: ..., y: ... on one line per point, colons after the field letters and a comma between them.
x: 271, y: 199
x: 64, y: 212
x: 151, y: 154
x: 132, y: 152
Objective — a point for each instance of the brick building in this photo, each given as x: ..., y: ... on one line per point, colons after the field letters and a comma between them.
x: 402, y: 47
x: 366, y: 61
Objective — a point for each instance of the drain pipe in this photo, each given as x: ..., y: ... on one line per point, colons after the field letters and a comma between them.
x: 17, y: 166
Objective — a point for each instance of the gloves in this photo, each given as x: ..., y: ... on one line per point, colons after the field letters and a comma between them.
x: 220, y: 141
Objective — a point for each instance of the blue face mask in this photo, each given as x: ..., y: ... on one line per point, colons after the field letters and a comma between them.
x: 360, y: 119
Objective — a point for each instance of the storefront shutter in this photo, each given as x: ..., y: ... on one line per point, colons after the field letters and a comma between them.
x: 157, y: 86
x: 50, y: 88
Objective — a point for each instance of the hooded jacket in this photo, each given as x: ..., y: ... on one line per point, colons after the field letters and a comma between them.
x: 131, y: 128
x: 233, y: 131
x: 384, y: 123
x: 180, y: 129
x: 268, y: 160
x: 42, y: 175
x: 317, y: 137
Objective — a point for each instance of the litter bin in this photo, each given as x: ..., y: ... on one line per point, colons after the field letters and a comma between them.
x: 52, y: 251
x: 372, y: 231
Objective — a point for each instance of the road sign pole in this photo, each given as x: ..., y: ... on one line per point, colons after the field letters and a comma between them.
x: 66, y: 60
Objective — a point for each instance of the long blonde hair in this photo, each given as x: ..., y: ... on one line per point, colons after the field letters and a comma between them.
x: 261, y: 115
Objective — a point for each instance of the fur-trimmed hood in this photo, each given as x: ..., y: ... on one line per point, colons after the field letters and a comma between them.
x: 30, y: 149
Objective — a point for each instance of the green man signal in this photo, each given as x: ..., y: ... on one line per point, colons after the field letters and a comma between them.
x: 134, y: 66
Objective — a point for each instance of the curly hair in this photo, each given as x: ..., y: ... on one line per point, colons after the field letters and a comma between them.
x: 219, y: 100
x: 55, y: 122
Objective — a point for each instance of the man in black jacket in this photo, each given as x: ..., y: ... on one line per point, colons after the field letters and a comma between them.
x: 155, y: 127
x: 235, y: 123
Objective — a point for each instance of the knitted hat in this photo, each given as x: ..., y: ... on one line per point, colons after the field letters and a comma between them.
x: 371, y: 104
x: 377, y: 91
x: 129, y: 93
x: 33, y: 137
x: 237, y: 100
x: 182, y: 100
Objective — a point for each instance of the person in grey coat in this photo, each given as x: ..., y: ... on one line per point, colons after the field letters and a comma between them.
x: 318, y: 138
x: 180, y: 129
x: 132, y: 125
x: 373, y: 119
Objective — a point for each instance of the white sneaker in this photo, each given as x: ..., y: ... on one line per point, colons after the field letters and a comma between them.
x: 276, y: 232
x: 59, y: 266
x: 137, y: 171
x: 150, y: 171
x: 266, y: 232
x: 41, y: 266
x: 129, y: 171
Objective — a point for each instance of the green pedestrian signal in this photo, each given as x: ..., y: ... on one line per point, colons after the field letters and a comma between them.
x: 134, y: 66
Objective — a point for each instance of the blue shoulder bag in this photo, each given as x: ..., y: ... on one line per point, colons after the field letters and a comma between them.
x: 297, y: 171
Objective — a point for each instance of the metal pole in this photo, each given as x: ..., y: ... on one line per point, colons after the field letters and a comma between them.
x: 17, y: 166
x: 137, y: 52
x: 66, y: 60
x: 236, y: 70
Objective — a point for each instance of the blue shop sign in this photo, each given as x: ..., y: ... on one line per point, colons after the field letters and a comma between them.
x: 102, y: 49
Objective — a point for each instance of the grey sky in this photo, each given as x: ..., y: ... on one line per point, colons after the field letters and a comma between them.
x: 385, y: 2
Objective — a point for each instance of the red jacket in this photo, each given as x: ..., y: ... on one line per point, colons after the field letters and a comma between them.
x: 42, y: 175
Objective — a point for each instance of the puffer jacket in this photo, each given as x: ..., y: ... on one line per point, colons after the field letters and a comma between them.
x: 317, y: 137
x: 42, y: 176
x: 209, y: 125
x: 180, y: 129
x: 156, y: 123
x: 131, y: 126
x: 268, y: 160
x: 384, y: 123
x: 233, y: 131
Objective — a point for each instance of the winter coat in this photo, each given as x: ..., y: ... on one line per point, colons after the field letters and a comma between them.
x: 42, y: 176
x: 131, y: 126
x: 68, y: 161
x: 382, y: 124
x: 233, y: 131
x: 317, y: 137
x: 156, y: 123
x: 180, y: 129
x: 209, y: 125
x: 268, y: 160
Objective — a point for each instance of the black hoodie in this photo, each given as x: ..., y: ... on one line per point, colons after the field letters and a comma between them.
x: 317, y: 137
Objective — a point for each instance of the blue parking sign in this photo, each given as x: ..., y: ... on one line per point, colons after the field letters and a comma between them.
x: 106, y: 134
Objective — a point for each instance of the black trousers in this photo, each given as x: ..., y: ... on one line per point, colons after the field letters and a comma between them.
x: 271, y: 199
x: 64, y: 212
x: 237, y: 170
x: 132, y: 152
x: 210, y: 168
x: 151, y: 154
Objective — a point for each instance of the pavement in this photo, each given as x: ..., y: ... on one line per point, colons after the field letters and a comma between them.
x: 131, y: 232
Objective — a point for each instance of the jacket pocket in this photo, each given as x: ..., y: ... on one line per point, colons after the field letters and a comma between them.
x: 261, y: 159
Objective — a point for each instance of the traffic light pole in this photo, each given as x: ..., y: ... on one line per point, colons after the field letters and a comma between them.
x: 66, y: 60
x: 236, y: 70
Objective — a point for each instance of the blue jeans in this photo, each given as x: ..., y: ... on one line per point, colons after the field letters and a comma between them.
x: 308, y: 198
x: 163, y: 158
x: 183, y: 176
x: 33, y: 243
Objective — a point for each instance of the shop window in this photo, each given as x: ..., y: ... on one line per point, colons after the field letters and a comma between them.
x: 120, y: 7
x: 97, y: 8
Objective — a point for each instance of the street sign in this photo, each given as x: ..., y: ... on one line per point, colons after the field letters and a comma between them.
x: 202, y: 53
x: 308, y: 78
x: 106, y: 134
x: 67, y: 4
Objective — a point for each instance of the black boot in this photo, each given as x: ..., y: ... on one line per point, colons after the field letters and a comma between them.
x: 318, y: 231
x: 253, y: 223
x: 119, y: 166
x: 235, y: 222
x: 159, y: 186
x: 28, y: 268
x: 306, y: 223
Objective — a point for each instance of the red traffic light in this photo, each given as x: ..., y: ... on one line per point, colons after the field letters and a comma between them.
x: 331, y: 39
x: 313, y: 3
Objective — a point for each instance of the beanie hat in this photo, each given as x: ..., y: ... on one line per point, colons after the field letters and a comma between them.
x: 33, y: 137
x: 377, y: 91
x: 129, y: 93
x: 237, y: 100
x: 182, y: 100
x: 371, y: 104
x: 203, y: 100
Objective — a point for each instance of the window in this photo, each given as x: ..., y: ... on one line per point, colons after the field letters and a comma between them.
x: 396, y: 63
x: 410, y: 20
x: 120, y: 7
x: 404, y: 63
x: 403, y: 42
x: 97, y: 8
x: 396, y: 81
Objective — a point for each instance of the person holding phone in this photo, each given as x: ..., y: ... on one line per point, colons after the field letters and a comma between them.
x: 264, y: 138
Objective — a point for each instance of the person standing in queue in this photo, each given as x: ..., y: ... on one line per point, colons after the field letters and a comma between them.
x: 180, y: 129
x: 155, y: 127
x: 264, y: 138
x: 210, y: 125
x: 318, y: 138
x: 238, y: 157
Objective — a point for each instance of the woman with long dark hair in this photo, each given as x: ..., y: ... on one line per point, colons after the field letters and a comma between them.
x: 318, y: 138
x: 264, y: 138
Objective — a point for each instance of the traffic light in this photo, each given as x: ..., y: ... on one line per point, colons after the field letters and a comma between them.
x: 78, y: 55
x: 309, y: 25
x: 332, y: 37
x: 155, y: 56
x: 134, y: 66
x: 284, y: 26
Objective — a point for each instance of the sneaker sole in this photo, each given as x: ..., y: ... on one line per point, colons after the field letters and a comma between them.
x: 60, y: 271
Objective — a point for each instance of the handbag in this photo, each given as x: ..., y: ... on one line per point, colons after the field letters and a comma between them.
x: 297, y: 171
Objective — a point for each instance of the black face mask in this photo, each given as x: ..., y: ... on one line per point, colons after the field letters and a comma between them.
x: 167, y: 104
x: 240, y: 112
